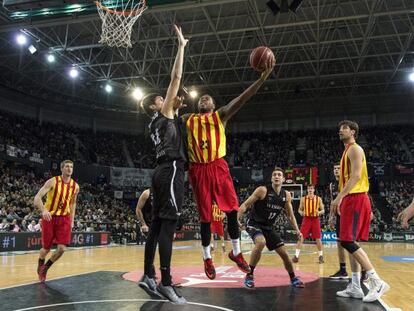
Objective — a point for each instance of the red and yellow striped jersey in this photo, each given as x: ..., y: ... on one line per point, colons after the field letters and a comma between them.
x: 206, y: 137
x: 362, y: 185
x: 311, y: 206
x: 60, y: 196
x: 217, y: 213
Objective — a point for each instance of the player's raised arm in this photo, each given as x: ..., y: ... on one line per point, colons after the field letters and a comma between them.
x: 38, y: 198
x: 236, y: 104
x: 171, y: 97
x: 258, y: 194
x: 138, y: 210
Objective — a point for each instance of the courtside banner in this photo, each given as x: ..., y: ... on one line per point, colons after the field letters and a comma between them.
x: 131, y: 177
x: 329, y: 236
x: 25, y: 241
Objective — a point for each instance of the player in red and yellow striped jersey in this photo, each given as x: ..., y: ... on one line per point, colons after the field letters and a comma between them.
x: 311, y: 207
x: 58, y: 214
x: 217, y: 226
x: 354, y: 206
x: 209, y: 173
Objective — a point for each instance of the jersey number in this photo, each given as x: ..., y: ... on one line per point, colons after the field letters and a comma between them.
x: 156, y: 137
x: 204, y: 144
x: 272, y: 215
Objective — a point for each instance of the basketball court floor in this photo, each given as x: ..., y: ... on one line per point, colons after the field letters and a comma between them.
x: 105, y: 278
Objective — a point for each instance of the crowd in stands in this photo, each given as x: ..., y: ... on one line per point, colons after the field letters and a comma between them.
x: 398, y: 195
x: 98, y: 210
x: 383, y: 144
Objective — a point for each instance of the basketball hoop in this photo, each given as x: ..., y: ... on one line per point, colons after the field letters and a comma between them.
x: 118, y: 19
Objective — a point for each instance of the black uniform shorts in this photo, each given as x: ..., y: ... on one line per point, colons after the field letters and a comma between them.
x: 168, y: 190
x: 273, y: 239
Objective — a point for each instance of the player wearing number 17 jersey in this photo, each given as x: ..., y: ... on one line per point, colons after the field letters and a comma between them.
x: 58, y: 214
x: 266, y: 204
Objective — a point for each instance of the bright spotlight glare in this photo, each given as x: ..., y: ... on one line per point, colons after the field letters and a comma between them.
x: 21, y: 39
x: 51, y: 58
x: 193, y: 94
x: 411, y: 77
x: 108, y: 88
x: 137, y: 93
x: 73, y: 73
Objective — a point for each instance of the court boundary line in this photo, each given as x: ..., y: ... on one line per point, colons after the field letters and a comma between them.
x: 380, y: 300
x: 384, y: 304
x: 120, y: 300
x: 53, y: 279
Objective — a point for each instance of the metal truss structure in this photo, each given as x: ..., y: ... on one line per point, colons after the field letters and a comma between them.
x: 331, y: 51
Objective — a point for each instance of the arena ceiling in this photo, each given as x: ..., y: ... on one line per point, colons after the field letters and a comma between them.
x: 329, y: 51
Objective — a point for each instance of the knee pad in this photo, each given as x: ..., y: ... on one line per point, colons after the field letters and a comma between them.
x: 351, y: 247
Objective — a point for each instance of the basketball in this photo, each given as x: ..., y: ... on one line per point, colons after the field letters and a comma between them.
x: 259, y: 57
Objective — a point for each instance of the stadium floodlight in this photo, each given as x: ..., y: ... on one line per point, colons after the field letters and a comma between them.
x: 108, y: 88
x: 411, y: 77
x: 73, y: 73
x: 193, y: 94
x: 50, y: 58
x: 21, y: 39
x: 137, y: 93
x: 32, y: 49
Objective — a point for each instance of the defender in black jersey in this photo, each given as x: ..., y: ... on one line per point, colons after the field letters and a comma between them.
x: 333, y: 191
x: 266, y: 204
x: 167, y: 181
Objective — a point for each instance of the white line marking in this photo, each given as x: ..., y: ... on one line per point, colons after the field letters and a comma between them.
x: 172, y: 187
x: 58, y: 278
x: 383, y: 303
x: 119, y: 300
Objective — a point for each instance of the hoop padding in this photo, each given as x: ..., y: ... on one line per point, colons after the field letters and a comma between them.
x: 117, y: 23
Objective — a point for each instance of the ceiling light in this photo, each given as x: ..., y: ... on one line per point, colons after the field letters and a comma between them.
x: 73, y: 73
x: 137, y: 93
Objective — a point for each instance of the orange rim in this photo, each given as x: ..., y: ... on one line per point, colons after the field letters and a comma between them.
x: 124, y: 13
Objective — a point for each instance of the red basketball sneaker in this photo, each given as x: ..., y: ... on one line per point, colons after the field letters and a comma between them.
x: 42, y: 273
x: 209, y: 268
x: 241, y: 263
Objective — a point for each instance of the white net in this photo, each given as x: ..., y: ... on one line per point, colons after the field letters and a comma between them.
x: 118, y: 18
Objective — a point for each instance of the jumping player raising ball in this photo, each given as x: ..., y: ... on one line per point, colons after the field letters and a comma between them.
x: 354, y: 206
x: 209, y: 173
x: 58, y: 214
x: 266, y: 204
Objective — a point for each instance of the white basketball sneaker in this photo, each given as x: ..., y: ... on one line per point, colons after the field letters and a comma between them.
x: 351, y: 291
x: 376, y: 289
